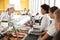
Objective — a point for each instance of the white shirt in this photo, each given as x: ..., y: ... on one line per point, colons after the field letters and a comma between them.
x: 1, y: 28
x: 45, y: 22
x: 51, y: 29
x: 5, y: 17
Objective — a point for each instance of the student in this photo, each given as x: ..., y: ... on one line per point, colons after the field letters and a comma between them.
x: 45, y: 18
x: 51, y: 28
x: 57, y: 24
x: 6, y: 15
x: 44, y: 11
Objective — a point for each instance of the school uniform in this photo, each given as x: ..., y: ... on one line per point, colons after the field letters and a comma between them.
x: 45, y: 22
x: 51, y: 30
x: 5, y: 17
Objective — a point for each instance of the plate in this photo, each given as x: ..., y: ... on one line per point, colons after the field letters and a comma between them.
x: 19, y: 34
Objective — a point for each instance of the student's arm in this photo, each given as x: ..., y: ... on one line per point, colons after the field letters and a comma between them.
x: 44, y: 32
x: 27, y: 24
x: 45, y: 37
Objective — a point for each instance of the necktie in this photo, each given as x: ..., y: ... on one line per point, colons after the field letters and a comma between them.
x: 50, y: 21
x: 40, y: 20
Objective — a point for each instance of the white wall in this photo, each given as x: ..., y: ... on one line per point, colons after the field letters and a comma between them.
x: 51, y: 3
x: 16, y: 3
x: 58, y: 3
x: 34, y: 5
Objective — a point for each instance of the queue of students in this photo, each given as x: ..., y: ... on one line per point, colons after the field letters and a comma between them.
x: 48, y: 24
x: 52, y: 29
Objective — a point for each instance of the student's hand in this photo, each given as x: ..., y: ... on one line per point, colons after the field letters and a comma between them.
x: 30, y: 25
x: 43, y: 33
x: 45, y: 37
x: 27, y: 24
x: 4, y: 30
x: 41, y: 39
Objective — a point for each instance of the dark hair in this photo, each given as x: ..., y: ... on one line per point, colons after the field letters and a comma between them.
x: 45, y: 7
x: 53, y: 9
